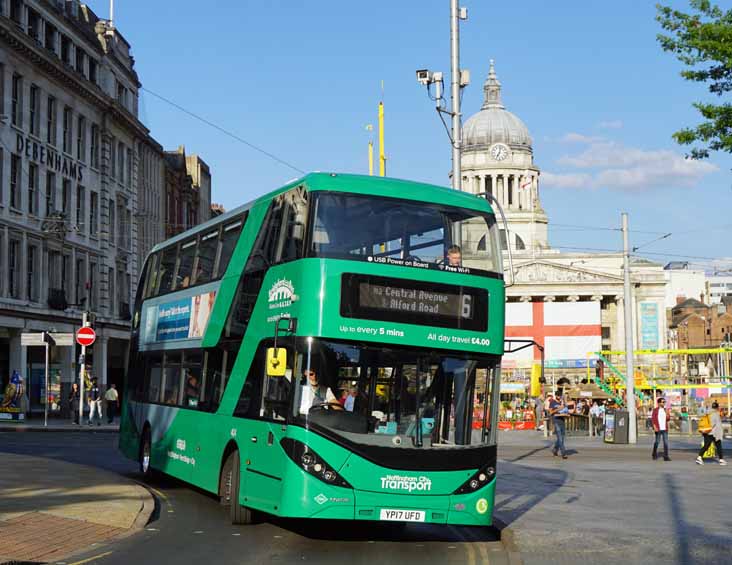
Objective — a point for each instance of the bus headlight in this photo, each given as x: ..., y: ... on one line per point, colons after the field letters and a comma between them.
x: 312, y: 463
x: 481, y: 478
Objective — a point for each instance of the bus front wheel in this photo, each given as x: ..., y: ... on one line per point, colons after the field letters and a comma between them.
x: 230, y: 484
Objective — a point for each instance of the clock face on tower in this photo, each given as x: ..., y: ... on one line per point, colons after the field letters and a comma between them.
x: 499, y: 151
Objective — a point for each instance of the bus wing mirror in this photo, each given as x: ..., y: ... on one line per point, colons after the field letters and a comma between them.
x: 276, y: 361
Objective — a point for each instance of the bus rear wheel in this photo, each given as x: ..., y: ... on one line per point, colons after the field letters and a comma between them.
x: 229, y: 490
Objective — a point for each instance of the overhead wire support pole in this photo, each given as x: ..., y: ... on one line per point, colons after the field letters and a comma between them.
x: 628, y: 314
x: 455, y: 93
x: 457, y: 136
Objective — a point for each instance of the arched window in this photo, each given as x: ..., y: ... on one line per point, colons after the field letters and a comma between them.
x: 520, y: 242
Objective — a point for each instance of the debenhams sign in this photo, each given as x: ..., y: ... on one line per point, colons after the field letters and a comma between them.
x: 51, y: 158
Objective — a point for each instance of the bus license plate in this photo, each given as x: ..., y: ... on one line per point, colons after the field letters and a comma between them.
x: 402, y: 515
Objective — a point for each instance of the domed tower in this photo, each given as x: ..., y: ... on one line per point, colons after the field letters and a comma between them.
x: 497, y: 158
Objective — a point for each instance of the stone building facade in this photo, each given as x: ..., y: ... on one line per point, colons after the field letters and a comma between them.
x: 81, y: 188
x: 187, y: 191
x: 498, y: 159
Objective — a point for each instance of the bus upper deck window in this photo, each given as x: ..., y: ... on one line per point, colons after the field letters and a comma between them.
x: 151, y: 278
x: 206, y: 257
x: 228, y: 242
x: 185, y: 265
x: 167, y: 266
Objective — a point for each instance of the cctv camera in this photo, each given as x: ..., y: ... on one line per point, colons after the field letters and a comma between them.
x: 424, y: 77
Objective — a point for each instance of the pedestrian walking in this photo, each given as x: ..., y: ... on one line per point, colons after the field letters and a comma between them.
x: 547, y: 401
x: 111, y: 399
x: 74, y: 403
x: 559, y: 412
x: 95, y: 402
x: 596, y: 415
x: 712, y: 435
x: 539, y: 408
x: 659, y: 420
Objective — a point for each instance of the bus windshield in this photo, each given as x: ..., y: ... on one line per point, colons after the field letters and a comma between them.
x: 353, y: 226
x: 394, y: 397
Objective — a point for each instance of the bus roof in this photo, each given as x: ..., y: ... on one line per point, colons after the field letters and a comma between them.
x: 358, y: 184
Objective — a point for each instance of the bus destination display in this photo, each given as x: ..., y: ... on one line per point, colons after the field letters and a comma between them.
x: 414, y: 302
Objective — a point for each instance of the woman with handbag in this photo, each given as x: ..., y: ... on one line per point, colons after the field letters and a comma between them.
x: 710, y: 425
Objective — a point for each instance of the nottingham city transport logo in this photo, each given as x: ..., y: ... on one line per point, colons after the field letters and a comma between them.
x: 401, y: 482
x: 282, y: 294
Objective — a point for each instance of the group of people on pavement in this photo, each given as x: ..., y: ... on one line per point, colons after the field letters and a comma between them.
x: 94, y: 401
x: 710, y: 426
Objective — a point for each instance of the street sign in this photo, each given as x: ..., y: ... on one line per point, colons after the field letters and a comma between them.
x: 32, y: 339
x: 85, y: 336
x: 63, y: 339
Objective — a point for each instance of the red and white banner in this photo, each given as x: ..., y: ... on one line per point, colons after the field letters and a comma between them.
x: 567, y: 330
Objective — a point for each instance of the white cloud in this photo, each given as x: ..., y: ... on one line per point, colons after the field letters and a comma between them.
x: 566, y: 180
x: 608, y: 164
x: 574, y: 137
x: 610, y: 124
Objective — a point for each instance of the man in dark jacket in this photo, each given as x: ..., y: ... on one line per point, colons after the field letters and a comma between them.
x: 659, y: 420
x: 95, y: 402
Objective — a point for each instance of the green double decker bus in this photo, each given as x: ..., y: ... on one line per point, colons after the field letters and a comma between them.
x: 329, y: 350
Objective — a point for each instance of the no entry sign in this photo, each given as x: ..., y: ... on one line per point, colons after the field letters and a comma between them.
x: 85, y: 336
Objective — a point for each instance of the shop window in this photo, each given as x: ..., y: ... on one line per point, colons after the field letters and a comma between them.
x: 67, y: 126
x: 80, y: 56
x: 50, y: 37
x: 35, y: 110
x: 33, y: 189
x: 81, y: 138
x: 16, y: 114
x: 65, y: 49
x: 15, y: 181
x: 14, y: 269
x: 51, y: 121
x: 34, y: 25
x: 93, y: 70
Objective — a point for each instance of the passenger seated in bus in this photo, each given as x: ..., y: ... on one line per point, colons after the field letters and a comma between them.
x: 315, y: 394
x: 350, y: 400
x: 455, y: 256
x: 192, y: 390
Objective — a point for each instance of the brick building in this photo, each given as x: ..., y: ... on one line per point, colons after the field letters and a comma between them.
x: 695, y: 324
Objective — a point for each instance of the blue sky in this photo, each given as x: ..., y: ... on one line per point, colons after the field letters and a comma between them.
x: 301, y: 79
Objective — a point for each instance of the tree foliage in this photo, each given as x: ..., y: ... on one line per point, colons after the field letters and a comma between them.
x: 702, y: 40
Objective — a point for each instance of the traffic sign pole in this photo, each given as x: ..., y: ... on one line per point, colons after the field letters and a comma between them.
x: 45, y: 412
x: 84, y: 324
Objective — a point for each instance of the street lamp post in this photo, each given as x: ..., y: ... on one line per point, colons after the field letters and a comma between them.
x: 630, y: 370
x: 458, y: 79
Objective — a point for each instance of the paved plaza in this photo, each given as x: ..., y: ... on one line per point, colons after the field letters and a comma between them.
x: 612, y: 502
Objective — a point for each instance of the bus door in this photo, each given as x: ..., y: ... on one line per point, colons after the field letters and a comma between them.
x: 267, y: 459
